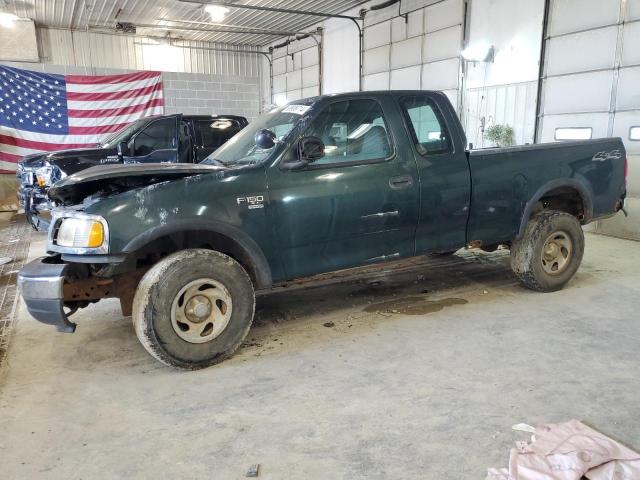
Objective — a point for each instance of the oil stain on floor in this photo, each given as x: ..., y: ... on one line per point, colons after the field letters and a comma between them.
x: 414, y: 305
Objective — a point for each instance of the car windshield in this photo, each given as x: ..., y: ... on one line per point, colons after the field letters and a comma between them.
x: 123, y: 134
x: 242, y: 148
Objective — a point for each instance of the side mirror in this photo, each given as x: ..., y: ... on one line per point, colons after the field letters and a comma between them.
x: 122, y: 147
x: 265, y: 139
x: 310, y: 149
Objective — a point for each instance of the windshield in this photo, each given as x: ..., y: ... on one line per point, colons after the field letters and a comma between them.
x: 242, y: 148
x: 124, y: 134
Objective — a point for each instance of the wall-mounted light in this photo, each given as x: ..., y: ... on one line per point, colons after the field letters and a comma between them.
x: 479, y: 52
x: 216, y: 12
x: 7, y: 20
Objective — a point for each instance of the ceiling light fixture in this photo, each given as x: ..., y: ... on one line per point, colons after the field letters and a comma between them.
x: 7, y: 19
x: 479, y: 52
x: 216, y: 12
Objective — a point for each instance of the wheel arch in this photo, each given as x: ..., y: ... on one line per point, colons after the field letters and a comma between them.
x: 562, y: 186
x: 190, y: 233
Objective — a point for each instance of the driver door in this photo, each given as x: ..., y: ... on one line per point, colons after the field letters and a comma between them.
x: 157, y: 142
x: 356, y: 206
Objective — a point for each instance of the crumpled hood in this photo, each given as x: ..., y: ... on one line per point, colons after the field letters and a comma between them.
x: 32, y: 161
x: 110, y: 179
x: 69, y: 161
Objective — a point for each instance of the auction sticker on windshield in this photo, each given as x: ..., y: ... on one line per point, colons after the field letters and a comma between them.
x: 297, y: 109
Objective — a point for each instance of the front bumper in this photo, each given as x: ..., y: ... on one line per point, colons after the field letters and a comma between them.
x: 41, y: 284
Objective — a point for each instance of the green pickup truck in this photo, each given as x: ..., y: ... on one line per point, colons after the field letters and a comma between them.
x: 319, y: 185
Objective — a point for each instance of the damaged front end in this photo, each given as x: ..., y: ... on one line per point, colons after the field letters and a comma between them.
x: 35, y: 178
x: 81, y: 268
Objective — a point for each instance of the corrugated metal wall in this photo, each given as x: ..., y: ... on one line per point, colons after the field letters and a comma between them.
x: 91, y: 49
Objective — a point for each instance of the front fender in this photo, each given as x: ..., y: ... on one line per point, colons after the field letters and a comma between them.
x: 241, y: 239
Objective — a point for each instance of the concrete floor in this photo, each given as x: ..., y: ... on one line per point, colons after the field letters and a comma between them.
x: 405, y: 384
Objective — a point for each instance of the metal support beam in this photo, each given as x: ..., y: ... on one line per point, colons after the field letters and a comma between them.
x: 541, y: 74
x: 272, y: 9
x: 236, y: 28
x: 212, y: 29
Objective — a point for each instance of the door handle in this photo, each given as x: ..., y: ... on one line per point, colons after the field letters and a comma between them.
x: 404, y: 181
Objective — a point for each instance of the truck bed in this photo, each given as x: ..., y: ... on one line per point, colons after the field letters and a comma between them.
x: 507, y: 183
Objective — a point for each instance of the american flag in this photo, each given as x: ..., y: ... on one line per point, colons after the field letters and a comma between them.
x: 41, y: 112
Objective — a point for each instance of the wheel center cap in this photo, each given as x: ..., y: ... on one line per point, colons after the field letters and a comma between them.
x: 198, y: 308
x: 551, y: 251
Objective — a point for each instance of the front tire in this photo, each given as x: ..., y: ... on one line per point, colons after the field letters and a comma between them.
x: 549, y: 252
x: 193, y: 309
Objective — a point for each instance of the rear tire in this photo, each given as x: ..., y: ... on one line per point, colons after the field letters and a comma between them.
x: 549, y: 252
x: 193, y: 309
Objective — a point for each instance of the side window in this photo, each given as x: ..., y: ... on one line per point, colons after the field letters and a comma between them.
x: 352, y: 131
x: 158, y: 135
x: 216, y: 132
x: 429, y: 130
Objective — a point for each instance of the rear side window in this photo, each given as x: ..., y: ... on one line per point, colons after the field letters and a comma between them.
x: 216, y: 132
x: 429, y: 130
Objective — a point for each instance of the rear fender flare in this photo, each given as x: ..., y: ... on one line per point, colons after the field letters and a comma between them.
x: 576, y: 183
x: 238, y: 236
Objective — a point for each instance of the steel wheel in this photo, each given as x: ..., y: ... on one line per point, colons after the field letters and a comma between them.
x: 556, y: 253
x: 201, y: 310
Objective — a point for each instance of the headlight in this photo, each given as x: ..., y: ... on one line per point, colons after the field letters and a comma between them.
x: 78, y: 233
x: 43, y: 176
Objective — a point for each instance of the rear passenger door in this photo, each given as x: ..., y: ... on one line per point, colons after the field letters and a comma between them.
x: 443, y: 169
x: 212, y: 133
x: 358, y: 204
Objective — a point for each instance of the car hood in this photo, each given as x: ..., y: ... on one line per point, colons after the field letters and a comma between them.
x: 111, y: 179
x: 68, y: 161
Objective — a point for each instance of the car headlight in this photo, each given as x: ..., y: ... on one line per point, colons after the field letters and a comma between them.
x: 43, y: 176
x: 78, y: 233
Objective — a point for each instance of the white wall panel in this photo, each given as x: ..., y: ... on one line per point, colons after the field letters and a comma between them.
x: 406, y: 78
x: 310, y: 76
x: 93, y: 50
x: 442, y: 44
x: 293, y: 95
x: 376, y: 60
x: 628, y: 96
x: 623, y: 123
x: 443, y: 15
x: 406, y: 53
x: 415, y: 23
x: 378, y: 81
x: 441, y: 75
x: 279, y: 66
x: 597, y: 121
x: 377, y: 35
x: 631, y: 36
x: 398, y: 29
x: 310, y: 57
x: 633, y: 10
x: 294, y: 80
x: 573, y: 15
x: 280, y: 83
x: 563, y: 56
x: 584, y: 92
x: 310, y: 92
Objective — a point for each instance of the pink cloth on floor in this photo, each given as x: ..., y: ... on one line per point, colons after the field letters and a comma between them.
x: 569, y: 451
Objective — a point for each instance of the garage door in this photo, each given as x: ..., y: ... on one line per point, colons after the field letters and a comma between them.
x: 594, y: 93
x: 296, y: 71
x: 414, y: 46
